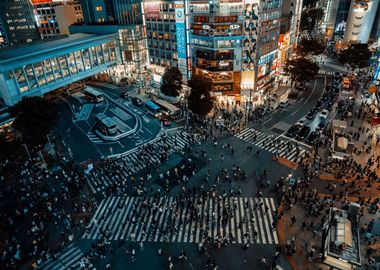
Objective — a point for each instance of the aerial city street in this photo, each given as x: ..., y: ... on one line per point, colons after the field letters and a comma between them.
x: 189, y: 134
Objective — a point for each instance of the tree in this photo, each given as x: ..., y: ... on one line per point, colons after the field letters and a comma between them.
x: 200, y: 100
x: 301, y: 69
x: 356, y: 55
x: 35, y: 118
x: 310, y: 17
x: 171, y: 83
x: 310, y: 47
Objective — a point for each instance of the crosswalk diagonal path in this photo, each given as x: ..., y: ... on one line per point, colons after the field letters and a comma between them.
x: 70, y: 258
x: 276, y: 145
x: 198, y: 219
x: 131, y: 164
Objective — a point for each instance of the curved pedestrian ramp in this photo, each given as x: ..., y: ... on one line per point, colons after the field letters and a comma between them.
x: 276, y: 145
x: 70, y: 258
x: 195, y: 220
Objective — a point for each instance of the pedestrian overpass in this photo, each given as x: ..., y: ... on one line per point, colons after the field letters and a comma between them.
x: 42, y: 67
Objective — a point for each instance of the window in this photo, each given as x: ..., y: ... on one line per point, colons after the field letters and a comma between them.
x: 99, y: 8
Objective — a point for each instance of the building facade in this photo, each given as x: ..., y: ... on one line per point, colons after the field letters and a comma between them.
x: 120, y: 12
x: 165, y: 23
x: 54, y: 18
x: 216, y: 32
x: 235, y: 44
x: 18, y: 23
x: 360, y: 20
x: 46, y: 66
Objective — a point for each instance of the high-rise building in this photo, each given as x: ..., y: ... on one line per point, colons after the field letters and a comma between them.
x: 351, y: 20
x: 112, y: 11
x: 54, y: 18
x: 235, y: 44
x: 268, y: 31
x: 216, y: 30
x: 18, y: 21
x: 166, y: 23
x: 360, y: 20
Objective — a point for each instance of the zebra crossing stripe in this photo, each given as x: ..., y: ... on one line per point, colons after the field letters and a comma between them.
x: 276, y: 146
x: 275, y: 238
x: 70, y: 258
x: 132, y: 218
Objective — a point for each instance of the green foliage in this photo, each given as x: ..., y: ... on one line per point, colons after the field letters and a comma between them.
x: 310, y: 47
x: 356, y: 55
x: 171, y: 83
x: 200, y: 100
x: 310, y: 17
x: 35, y: 118
x: 301, y: 69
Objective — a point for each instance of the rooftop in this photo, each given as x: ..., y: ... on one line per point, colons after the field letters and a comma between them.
x: 42, y: 47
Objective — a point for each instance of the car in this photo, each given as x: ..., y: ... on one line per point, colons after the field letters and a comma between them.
x: 124, y: 95
x: 310, y: 115
x: 327, y: 88
x: 329, y: 106
x: 300, y: 87
x: 312, y: 137
x: 293, y: 130
x: 165, y: 121
x: 302, y: 121
x: 318, y: 104
x: 284, y: 103
x: 303, y: 133
x: 136, y: 101
x: 324, y: 113
x: 322, y: 124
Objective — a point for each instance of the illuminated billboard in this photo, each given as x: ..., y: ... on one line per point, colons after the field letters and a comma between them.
x: 152, y: 10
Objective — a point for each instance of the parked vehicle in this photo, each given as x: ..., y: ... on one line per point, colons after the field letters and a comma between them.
x: 284, y: 103
x: 293, y: 130
x: 324, y: 113
x: 303, y: 133
x: 136, y: 101
x: 312, y: 138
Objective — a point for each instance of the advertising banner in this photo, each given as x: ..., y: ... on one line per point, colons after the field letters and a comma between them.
x: 152, y: 10
x: 181, y: 35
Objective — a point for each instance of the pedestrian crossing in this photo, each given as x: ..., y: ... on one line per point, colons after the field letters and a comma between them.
x: 126, y: 166
x: 233, y: 219
x: 94, y: 138
x: 70, y: 258
x: 324, y: 72
x: 276, y: 145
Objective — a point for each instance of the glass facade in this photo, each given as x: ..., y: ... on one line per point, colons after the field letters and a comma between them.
x: 65, y: 66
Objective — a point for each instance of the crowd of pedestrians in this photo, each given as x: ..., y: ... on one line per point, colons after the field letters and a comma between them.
x: 38, y: 205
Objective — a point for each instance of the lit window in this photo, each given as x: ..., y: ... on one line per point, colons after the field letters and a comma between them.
x: 99, y: 8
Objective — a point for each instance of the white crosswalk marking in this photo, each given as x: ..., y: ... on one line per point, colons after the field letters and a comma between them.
x: 167, y: 220
x: 131, y: 164
x: 70, y: 258
x: 323, y: 72
x: 276, y: 145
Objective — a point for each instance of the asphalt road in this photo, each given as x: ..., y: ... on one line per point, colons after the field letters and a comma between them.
x: 80, y: 134
x: 280, y: 120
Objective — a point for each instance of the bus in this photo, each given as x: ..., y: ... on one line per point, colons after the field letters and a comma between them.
x: 93, y: 95
x: 152, y: 108
x: 105, y: 124
x: 170, y: 109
